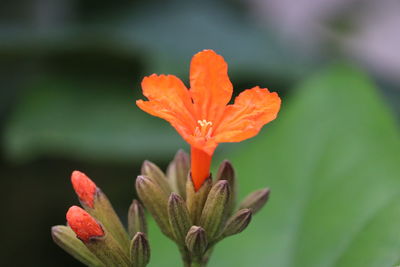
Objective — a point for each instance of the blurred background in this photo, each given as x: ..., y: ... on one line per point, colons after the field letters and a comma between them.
x: 70, y: 73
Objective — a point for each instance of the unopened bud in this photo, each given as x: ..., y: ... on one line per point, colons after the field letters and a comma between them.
x: 152, y: 171
x: 256, y: 200
x: 196, y: 241
x: 214, y: 212
x: 64, y: 237
x: 140, y: 250
x: 100, y: 243
x: 226, y: 172
x: 196, y: 200
x: 178, y: 217
x: 84, y: 225
x: 84, y: 188
x: 97, y: 204
x: 178, y: 171
x: 136, y: 219
x: 237, y: 223
x: 156, y: 201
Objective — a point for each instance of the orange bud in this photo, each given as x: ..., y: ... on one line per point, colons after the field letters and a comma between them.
x: 84, y: 187
x: 84, y: 225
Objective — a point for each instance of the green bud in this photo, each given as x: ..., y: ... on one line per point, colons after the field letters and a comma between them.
x: 256, y: 200
x: 237, y: 223
x: 108, y: 250
x: 178, y: 217
x: 156, y: 201
x: 136, y: 219
x: 178, y: 171
x: 226, y: 172
x: 104, y: 212
x: 196, y: 241
x: 196, y: 200
x: 140, y: 250
x: 214, y: 212
x: 151, y: 170
x: 64, y: 237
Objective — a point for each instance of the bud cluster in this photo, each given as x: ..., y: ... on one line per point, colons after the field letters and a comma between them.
x: 95, y: 235
x: 196, y: 220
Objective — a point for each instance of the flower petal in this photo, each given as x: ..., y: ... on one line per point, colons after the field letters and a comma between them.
x: 211, y: 88
x: 170, y: 100
x: 201, y: 143
x: 253, y: 108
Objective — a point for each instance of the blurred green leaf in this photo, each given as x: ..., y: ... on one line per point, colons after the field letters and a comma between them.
x: 332, y: 162
x: 170, y: 33
x: 82, y: 120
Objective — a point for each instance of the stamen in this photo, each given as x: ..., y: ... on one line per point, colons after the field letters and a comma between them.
x: 197, y: 131
x: 204, y: 130
x: 208, y: 135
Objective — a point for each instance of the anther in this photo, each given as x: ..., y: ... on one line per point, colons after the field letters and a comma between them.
x: 204, y: 130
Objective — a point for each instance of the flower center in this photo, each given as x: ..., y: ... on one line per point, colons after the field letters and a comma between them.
x: 204, y: 129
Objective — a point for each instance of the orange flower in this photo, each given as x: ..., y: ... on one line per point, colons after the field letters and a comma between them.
x: 202, y: 115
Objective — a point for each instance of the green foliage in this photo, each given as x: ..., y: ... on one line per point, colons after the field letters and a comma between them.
x: 86, y: 121
x: 331, y: 160
x: 248, y: 48
x: 164, y: 35
x: 77, y: 111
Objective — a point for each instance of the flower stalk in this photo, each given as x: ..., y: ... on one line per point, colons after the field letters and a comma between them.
x: 204, y: 118
x: 206, y: 217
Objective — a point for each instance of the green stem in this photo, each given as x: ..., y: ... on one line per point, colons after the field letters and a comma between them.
x: 197, y: 264
x: 190, y: 261
x: 185, y: 256
x: 207, y: 255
